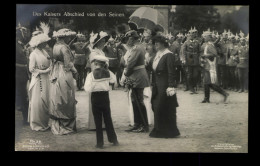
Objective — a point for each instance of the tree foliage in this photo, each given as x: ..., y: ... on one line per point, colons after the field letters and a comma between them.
x: 201, y: 17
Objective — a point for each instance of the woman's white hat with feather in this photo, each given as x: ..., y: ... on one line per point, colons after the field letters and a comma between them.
x: 40, y: 36
x: 63, y: 32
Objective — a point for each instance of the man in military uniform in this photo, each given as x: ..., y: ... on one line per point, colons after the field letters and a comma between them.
x: 135, y: 70
x: 208, y: 61
x: 111, y: 53
x: 222, y: 67
x: 175, y: 48
x: 232, y: 64
x: 191, y: 52
x: 22, y: 75
x: 80, y: 60
x: 242, y: 66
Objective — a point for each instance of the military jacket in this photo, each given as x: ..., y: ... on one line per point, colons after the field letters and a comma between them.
x: 191, y: 52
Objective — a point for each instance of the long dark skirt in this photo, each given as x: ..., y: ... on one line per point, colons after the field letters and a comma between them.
x: 165, y: 119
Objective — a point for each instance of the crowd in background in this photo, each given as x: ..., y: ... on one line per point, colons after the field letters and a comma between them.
x: 160, y: 62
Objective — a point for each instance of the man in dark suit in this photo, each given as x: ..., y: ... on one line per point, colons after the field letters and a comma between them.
x: 135, y: 70
x: 22, y: 75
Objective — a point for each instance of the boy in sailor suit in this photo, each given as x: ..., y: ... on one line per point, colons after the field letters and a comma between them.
x: 98, y: 82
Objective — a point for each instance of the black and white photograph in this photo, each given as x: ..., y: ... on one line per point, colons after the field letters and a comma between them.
x: 132, y: 78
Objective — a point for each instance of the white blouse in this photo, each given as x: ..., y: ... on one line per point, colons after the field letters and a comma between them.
x: 158, y: 57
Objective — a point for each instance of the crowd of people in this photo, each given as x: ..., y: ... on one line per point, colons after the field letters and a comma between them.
x: 150, y: 66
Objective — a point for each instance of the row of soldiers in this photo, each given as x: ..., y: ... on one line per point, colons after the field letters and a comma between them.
x: 188, y: 50
x: 232, y: 60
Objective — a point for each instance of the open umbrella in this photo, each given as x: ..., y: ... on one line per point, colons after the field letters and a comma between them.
x: 148, y: 18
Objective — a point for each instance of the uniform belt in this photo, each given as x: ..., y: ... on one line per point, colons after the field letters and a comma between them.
x: 79, y: 54
x: 111, y: 58
x: 21, y: 65
x: 139, y: 67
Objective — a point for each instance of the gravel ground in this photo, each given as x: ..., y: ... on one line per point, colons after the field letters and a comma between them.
x: 213, y: 127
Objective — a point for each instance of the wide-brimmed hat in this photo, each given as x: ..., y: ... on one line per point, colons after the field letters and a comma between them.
x: 95, y: 38
x: 40, y: 36
x: 63, y: 33
x: 38, y: 39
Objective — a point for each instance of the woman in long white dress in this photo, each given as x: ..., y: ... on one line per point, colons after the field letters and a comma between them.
x: 39, y: 66
x: 97, y: 42
x: 62, y: 89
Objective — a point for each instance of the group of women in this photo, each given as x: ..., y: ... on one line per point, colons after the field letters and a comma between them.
x: 52, y: 102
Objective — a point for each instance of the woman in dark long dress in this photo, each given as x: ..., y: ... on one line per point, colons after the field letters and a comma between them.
x: 164, y: 99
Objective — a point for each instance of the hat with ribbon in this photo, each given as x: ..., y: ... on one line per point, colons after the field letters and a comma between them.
x: 63, y: 33
x: 40, y: 36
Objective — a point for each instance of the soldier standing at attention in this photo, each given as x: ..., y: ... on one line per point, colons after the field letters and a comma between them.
x: 135, y: 70
x: 191, y: 52
x: 80, y: 59
x: 242, y: 66
x: 175, y: 48
x: 22, y: 74
x: 232, y: 63
x: 222, y: 67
